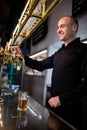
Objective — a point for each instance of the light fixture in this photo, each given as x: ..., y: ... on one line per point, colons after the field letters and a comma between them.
x: 84, y: 41
x: 38, y: 54
x: 34, y: 13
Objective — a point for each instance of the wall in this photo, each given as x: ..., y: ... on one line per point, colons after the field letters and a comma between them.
x: 34, y: 84
x: 82, y: 31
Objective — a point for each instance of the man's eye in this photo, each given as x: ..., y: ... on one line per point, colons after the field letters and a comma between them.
x: 62, y: 26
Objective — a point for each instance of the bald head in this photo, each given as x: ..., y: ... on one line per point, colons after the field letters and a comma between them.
x: 67, y: 28
x: 71, y: 20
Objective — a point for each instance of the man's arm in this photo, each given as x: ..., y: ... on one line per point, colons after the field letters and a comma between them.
x: 67, y: 97
x: 34, y: 64
x: 39, y: 65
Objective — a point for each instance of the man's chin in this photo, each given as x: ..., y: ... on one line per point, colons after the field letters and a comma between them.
x: 61, y: 39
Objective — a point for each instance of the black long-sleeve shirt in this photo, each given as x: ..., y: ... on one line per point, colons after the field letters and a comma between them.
x: 67, y: 75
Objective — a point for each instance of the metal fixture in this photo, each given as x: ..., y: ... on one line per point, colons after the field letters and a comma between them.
x: 34, y: 13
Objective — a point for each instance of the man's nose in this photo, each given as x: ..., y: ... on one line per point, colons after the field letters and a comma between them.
x: 58, y: 30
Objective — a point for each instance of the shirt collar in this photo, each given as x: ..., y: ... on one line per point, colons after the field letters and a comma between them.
x: 77, y: 40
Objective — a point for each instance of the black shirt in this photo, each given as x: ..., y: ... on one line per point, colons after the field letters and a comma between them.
x: 67, y: 75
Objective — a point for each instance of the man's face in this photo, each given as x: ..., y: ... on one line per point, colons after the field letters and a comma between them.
x: 65, y: 29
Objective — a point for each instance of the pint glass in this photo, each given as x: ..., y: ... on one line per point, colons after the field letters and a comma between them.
x: 22, y: 101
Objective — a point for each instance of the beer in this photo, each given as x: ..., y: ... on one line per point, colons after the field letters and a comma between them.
x: 22, y: 104
x: 22, y: 101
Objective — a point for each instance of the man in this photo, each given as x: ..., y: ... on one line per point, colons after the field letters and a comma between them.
x: 66, y: 88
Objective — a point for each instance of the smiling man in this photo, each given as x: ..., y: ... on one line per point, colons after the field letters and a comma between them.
x: 66, y: 87
x: 67, y: 29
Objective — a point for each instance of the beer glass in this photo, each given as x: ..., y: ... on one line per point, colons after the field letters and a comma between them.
x: 22, y: 101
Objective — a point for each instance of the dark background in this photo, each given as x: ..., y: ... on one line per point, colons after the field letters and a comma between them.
x: 78, y: 7
x: 10, y: 11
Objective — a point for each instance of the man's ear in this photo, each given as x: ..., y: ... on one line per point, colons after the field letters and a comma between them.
x: 74, y: 27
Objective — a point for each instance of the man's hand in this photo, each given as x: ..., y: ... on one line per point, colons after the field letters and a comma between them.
x: 54, y: 101
x: 1, y: 50
x: 17, y: 49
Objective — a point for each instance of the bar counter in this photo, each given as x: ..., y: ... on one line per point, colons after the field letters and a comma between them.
x: 37, y: 117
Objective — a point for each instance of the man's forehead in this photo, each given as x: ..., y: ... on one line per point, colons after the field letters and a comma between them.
x: 64, y: 20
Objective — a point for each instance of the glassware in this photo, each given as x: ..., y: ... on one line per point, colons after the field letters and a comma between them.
x: 22, y: 101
